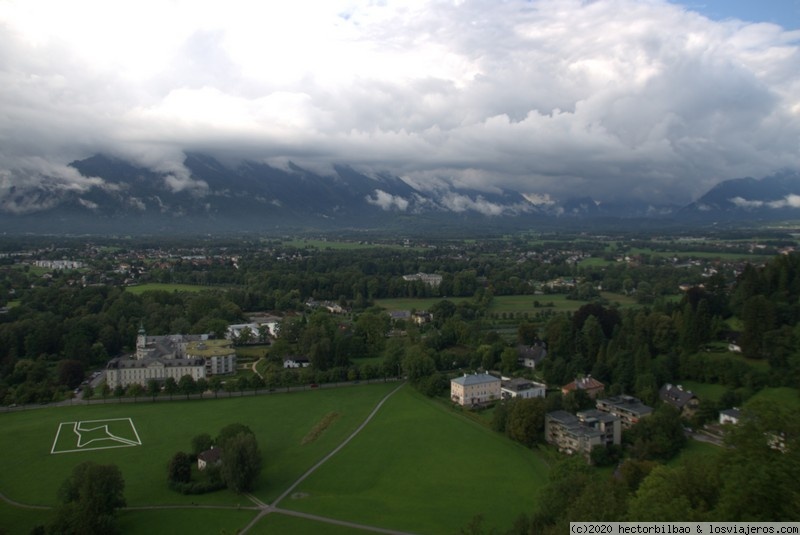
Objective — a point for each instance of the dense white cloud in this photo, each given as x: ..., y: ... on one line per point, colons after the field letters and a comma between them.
x: 387, y: 201
x: 608, y: 98
x: 789, y: 201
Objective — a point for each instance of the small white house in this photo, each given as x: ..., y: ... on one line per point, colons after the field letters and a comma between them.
x: 729, y: 416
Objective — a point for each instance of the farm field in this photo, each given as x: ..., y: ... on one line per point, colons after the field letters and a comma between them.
x: 411, y: 457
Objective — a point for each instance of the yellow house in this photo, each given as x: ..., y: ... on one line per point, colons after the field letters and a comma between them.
x: 475, y: 389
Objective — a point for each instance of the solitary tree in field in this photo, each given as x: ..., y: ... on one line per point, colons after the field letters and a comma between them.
x: 179, y: 469
x: 90, y: 498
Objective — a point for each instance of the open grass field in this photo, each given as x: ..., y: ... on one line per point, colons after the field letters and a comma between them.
x: 339, y: 245
x: 155, y: 286
x: 788, y: 398
x: 172, y: 521
x: 420, y: 467
x: 510, y: 304
x: 417, y: 465
x: 280, y: 523
x: 695, y: 449
x: 707, y: 391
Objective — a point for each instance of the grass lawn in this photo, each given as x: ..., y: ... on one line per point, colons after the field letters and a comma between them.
x: 418, y: 466
x: 281, y: 523
x: 18, y: 520
x: 694, y: 449
x: 422, y: 468
x: 786, y: 397
x: 508, y: 303
x: 254, y: 352
x: 29, y: 473
x: 155, y: 286
x: 198, y: 521
x: 707, y: 391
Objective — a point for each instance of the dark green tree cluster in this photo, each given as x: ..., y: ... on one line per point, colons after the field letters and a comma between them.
x: 755, y: 478
x: 55, y: 334
x: 521, y: 420
x: 239, y: 468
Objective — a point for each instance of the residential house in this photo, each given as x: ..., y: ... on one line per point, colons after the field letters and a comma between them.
x: 422, y: 317
x: 531, y: 356
x: 627, y: 408
x: 400, y: 315
x: 521, y: 388
x: 475, y: 389
x: 249, y: 333
x: 590, y: 385
x: 730, y: 416
x: 683, y: 400
x: 212, y: 457
x: 268, y: 325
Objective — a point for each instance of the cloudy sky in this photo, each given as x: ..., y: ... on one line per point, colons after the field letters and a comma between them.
x: 609, y: 98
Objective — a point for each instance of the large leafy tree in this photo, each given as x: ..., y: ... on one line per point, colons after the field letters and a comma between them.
x: 241, y: 462
x: 525, y: 420
x: 90, y: 498
x: 179, y: 469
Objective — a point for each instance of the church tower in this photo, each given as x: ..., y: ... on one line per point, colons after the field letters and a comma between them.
x: 141, y: 342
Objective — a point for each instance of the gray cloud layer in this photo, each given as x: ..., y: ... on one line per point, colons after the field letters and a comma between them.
x: 634, y: 98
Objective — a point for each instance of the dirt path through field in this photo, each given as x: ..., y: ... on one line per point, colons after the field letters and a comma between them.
x: 273, y: 507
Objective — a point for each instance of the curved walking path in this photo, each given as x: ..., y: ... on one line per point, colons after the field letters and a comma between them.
x: 267, y: 509
x: 23, y: 505
x: 263, y: 508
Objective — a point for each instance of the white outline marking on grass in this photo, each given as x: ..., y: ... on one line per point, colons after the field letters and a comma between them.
x: 76, y: 428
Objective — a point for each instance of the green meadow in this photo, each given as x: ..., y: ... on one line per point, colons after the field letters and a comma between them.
x: 157, y: 286
x: 708, y: 391
x: 419, y: 456
x: 340, y: 245
x: 786, y: 397
x: 416, y: 466
x: 511, y: 304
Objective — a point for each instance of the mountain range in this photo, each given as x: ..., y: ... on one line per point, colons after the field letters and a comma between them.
x: 121, y: 198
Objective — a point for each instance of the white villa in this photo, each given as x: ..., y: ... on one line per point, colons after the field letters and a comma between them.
x: 474, y: 389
